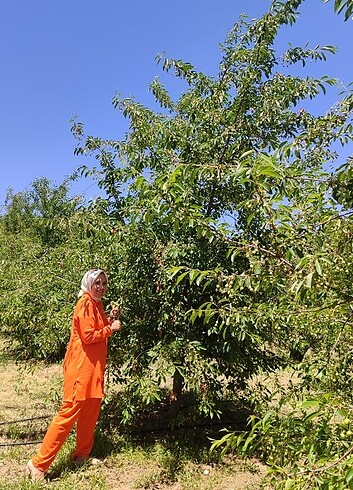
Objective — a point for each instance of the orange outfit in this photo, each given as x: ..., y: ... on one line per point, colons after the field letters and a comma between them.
x: 84, y: 366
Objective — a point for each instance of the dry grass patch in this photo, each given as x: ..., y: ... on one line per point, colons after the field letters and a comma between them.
x: 161, y: 463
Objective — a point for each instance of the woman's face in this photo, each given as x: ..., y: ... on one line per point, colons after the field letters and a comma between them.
x: 99, y: 287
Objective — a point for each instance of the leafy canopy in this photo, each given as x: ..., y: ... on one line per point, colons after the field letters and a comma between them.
x: 223, y: 214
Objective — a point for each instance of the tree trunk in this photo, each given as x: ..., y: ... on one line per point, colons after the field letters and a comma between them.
x: 175, y: 395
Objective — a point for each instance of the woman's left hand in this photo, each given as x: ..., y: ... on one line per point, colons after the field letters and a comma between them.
x: 115, y: 325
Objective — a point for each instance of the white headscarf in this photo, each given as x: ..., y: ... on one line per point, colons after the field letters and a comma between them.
x: 89, y: 279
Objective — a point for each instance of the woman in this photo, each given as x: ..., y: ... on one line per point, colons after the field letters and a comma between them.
x: 84, y: 366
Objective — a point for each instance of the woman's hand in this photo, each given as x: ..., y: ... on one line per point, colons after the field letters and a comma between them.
x: 115, y: 325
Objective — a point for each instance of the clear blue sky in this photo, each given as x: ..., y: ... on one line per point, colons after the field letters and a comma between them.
x: 70, y: 57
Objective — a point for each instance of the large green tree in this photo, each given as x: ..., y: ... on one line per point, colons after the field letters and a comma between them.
x: 221, y: 208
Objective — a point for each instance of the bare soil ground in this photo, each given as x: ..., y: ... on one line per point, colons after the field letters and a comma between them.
x: 32, y: 395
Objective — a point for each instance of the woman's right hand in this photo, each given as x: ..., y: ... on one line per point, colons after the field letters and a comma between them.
x: 114, y: 314
x: 115, y: 325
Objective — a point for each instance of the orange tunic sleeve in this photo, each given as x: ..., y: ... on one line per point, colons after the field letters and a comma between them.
x: 86, y: 354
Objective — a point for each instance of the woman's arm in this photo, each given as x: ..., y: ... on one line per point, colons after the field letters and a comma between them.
x: 87, y: 324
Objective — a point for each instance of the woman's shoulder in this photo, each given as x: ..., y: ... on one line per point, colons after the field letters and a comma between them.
x: 85, y: 301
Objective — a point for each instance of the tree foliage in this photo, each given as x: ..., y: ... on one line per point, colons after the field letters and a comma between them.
x: 47, y: 239
x: 345, y: 6
x: 222, y: 205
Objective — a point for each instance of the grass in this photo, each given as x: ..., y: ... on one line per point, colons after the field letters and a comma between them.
x: 176, y: 460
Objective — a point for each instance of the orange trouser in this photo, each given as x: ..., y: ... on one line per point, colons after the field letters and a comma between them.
x: 85, y: 413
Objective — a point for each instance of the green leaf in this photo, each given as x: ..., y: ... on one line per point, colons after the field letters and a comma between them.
x: 193, y: 274
x: 175, y: 270
x: 201, y: 276
x: 310, y: 403
x: 342, y: 413
x: 270, y: 172
x: 250, y: 218
x: 309, y: 279
x: 349, y: 476
x: 311, y: 416
x: 181, y: 277
x: 318, y: 267
x: 289, y: 484
x: 257, y: 268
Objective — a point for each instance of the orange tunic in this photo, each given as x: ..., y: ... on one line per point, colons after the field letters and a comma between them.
x: 86, y: 354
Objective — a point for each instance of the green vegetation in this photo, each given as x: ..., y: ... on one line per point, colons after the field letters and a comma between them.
x: 225, y: 227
